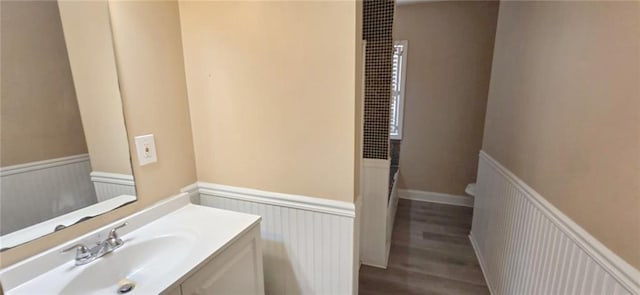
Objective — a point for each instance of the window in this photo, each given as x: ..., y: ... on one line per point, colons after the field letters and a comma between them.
x: 397, y: 88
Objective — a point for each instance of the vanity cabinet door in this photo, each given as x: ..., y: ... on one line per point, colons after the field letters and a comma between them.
x: 236, y: 271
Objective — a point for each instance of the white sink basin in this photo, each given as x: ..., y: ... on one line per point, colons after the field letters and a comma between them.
x: 139, y: 263
x: 163, y: 245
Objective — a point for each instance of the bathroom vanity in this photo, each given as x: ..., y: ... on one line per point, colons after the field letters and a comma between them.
x: 174, y: 247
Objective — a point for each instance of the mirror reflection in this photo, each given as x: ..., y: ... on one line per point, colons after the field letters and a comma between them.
x: 63, y: 148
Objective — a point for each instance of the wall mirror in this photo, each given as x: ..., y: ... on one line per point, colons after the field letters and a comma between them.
x: 64, y: 152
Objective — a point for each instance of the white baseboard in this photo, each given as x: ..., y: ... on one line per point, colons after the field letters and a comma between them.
x: 527, y: 246
x: 416, y: 195
x: 308, y: 243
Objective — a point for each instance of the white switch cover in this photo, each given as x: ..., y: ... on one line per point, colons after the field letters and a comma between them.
x: 146, y: 148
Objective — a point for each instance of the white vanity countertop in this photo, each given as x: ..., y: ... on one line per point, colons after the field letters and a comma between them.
x: 202, y: 232
x: 46, y: 227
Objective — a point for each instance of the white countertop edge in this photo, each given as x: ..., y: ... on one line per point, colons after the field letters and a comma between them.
x: 22, y: 271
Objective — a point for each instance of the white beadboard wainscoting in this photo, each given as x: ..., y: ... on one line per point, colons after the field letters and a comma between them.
x: 527, y: 246
x: 308, y: 243
x: 43, y: 190
x: 109, y: 185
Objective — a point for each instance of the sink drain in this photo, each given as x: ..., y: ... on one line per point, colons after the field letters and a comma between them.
x: 125, y: 286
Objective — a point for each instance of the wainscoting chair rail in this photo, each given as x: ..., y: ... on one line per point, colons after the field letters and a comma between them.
x: 279, y: 199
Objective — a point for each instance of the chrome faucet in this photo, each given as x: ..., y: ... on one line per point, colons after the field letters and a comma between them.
x: 85, y: 255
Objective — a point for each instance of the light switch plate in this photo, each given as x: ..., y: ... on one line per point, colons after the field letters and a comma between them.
x: 146, y: 149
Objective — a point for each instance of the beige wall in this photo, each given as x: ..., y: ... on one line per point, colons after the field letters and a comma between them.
x: 272, y: 90
x: 40, y: 118
x: 448, y: 69
x: 94, y: 71
x: 564, y: 111
x: 151, y: 74
x: 151, y: 70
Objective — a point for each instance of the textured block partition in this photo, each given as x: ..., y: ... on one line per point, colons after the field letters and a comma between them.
x: 377, y: 32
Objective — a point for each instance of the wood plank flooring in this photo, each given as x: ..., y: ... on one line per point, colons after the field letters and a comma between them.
x: 430, y: 254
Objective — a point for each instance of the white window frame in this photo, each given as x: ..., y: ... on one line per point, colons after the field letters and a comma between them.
x: 403, y: 74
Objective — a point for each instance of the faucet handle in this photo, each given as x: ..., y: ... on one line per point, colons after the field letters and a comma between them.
x: 113, y: 233
x: 81, y: 251
x: 113, y: 238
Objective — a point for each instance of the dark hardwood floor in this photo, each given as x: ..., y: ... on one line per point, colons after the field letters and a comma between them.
x: 430, y: 254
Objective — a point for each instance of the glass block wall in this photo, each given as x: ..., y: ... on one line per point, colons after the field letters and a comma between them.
x: 378, y: 33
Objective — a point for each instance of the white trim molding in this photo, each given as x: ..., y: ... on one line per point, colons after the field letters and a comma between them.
x: 357, y: 262
x: 39, y: 165
x: 333, y: 207
x: 113, y: 178
x: 309, y: 244
x: 526, y: 245
x: 432, y: 197
x: 192, y: 191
